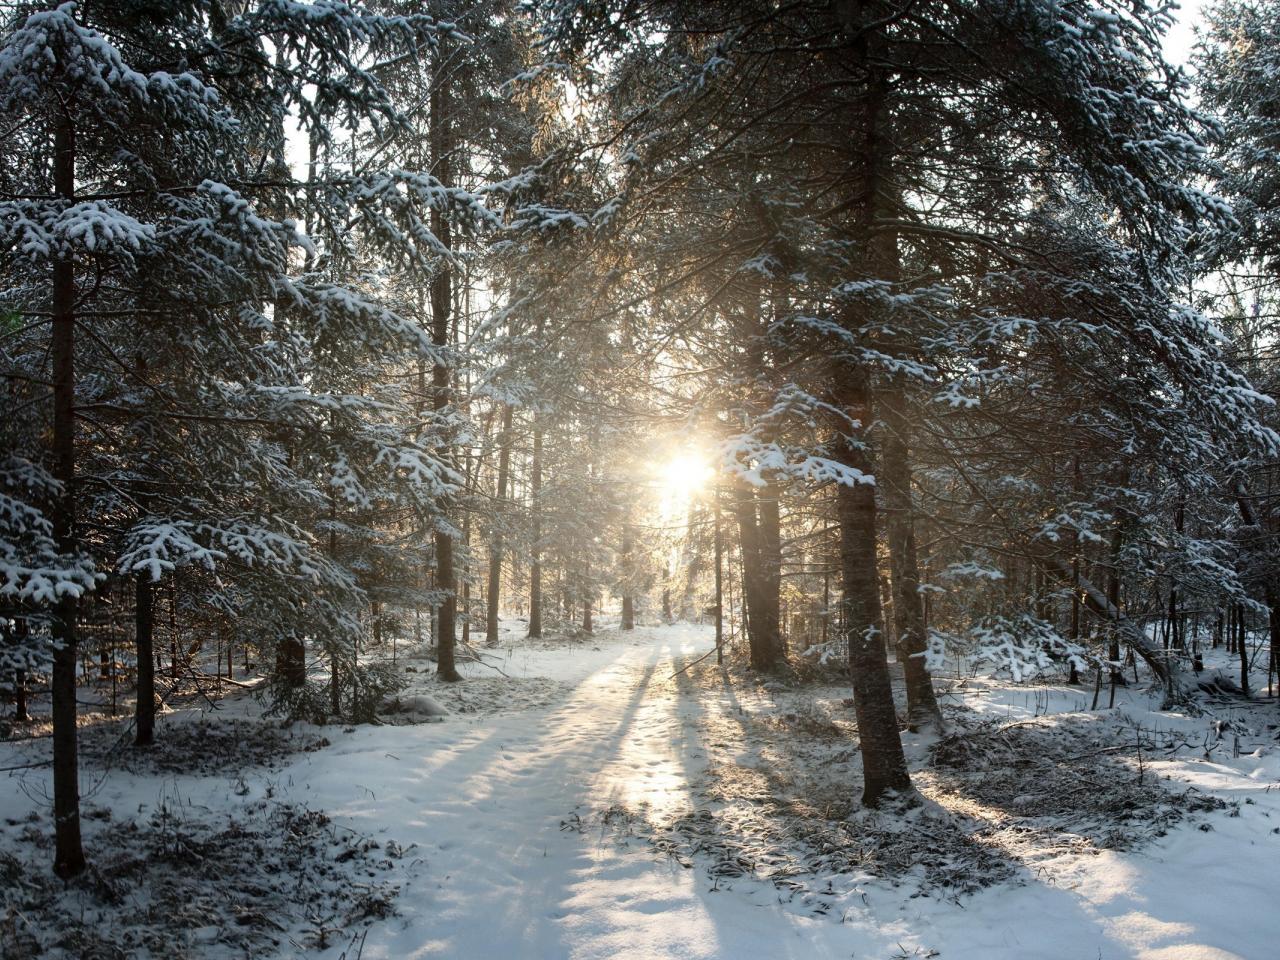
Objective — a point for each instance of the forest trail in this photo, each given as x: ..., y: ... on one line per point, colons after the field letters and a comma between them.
x: 505, y: 811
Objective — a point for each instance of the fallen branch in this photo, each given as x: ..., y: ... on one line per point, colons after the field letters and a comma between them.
x: 479, y: 658
x: 692, y: 664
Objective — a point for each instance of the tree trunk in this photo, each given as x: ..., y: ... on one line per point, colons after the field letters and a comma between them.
x: 495, y: 540
x: 628, y: 574
x: 666, y: 591
x: 21, y: 632
x: 68, y: 851
x: 535, y: 552
x: 761, y: 618
x: 1113, y: 598
x: 895, y: 486
x: 1243, y: 644
x: 771, y: 574
x: 884, y: 766
x: 441, y: 304
x: 335, y: 689
x: 719, y: 541
x: 144, y: 635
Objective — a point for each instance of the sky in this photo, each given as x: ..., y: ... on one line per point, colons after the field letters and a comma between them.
x: 1178, y: 41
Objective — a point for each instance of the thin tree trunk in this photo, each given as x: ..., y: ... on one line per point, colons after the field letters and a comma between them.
x: 719, y: 535
x: 666, y: 591
x: 144, y: 635
x: 771, y: 574
x: 761, y: 622
x: 884, y: 765
x: 535, y: 552
x: 68, y: 851
x: 1113, y: 599
x: 628, y: 574
x: 1243, y: 645
x: 20, y: 715
x: 335, y: 690
x: 495, y: 540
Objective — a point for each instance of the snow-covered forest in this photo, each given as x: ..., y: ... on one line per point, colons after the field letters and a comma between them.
x: 639, y: 479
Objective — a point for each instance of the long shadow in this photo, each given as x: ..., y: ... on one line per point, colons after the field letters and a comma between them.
x: 538, y: 718
x: 530, y: 912
x: 799, y: 942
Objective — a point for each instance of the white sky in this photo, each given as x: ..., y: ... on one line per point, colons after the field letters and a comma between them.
x: 1178, y: 41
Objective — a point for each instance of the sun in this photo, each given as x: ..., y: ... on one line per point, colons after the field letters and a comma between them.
x: 685, y: 476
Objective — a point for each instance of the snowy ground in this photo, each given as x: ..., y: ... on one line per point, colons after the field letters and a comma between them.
x: 521, y: 824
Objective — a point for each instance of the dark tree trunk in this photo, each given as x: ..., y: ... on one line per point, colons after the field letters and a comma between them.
x: 68, y: 851
x: 1273, y: 624
x: 535, y: 559
x: 441, y: 305
x: 908, y: 609
x: 719, y: 541
x: 335, y: 689
x: 628, y: 574
x: 495, y: 540
x: 20, y: 715
x: 1074, y: 677
x: 761, y: 618
x: 884, y: 765
x: 144, y: 636
x: 771, y: 574
x: 666, y: 592
x: 1113, y: 599
x: 1242, y: 643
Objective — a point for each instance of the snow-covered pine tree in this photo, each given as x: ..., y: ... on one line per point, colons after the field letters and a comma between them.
x: 165, y: 326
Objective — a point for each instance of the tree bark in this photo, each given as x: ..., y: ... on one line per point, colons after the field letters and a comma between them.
x: 771, y: 573
x: 441, y: 305
x: 495, y: 540
x: 144, y: 636
x: 761, y: 619
x: 68, y: 851
x: 535, y: 551
x: 884, y: 766
x: 908, y: 610
x: 719, y: 541
x: 21, y: 632
x: 628, y: 574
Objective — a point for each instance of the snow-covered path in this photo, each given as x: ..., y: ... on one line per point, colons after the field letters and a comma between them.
x: 485, y: 802
x: 485, y: 799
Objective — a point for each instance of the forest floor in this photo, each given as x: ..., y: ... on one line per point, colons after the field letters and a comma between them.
x: 592, y: 798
